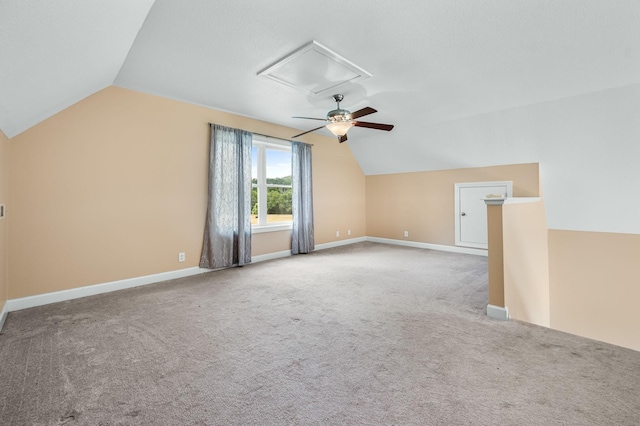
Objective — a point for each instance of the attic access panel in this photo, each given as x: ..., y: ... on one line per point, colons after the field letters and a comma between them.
x: 314, y: 70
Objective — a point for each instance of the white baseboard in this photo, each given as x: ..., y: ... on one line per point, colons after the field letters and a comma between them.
x: 3, y: 315
x: 454, y: 249
x: 498, y: 312
x: 90, y: 290
x: 287, y: 253
x: 270, y: 256
x: 340, y: 243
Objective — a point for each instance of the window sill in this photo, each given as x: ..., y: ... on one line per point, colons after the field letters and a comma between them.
x: 257, y: 229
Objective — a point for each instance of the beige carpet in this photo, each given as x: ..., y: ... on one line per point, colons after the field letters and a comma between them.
x: 363, y: 334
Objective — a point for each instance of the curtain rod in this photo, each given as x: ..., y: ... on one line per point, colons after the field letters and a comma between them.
x: 272, y: 137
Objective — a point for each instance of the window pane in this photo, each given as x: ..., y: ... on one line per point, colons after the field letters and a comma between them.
x: 254, y: 206
x: 254, y: 180
x: 270, y: 205
x: 278, y: 199
x: 279, y: 205
x: 254, y: 165
x: 279, y: 167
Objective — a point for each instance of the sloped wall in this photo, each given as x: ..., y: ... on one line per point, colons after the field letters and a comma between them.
x: 586, y: 145
x: 114, y: 187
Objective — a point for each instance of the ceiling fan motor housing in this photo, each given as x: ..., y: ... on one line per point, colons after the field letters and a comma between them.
x: 338, y: 115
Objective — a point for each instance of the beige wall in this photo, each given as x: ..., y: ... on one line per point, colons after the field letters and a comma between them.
x: 595, y: 285
x: 270, y: 242
x: 338, y: 192
x: 584, y: 283
x: 4, y: 232
x: 526, y: 262
x: 115, y: 186
x: 496, y: 255
x: 423, y: 202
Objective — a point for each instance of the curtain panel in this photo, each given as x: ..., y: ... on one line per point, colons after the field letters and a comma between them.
x: 302, y: 239
x: 227, y: 231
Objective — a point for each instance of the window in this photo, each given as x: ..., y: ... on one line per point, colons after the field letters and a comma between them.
x: 271, y: 184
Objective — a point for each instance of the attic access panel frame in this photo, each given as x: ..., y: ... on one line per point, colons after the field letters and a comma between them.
x: 314, y: 70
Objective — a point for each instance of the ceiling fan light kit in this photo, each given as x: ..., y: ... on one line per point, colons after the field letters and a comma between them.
x: 339, y: 128
x: 339, y: 124
x: 339, y: 120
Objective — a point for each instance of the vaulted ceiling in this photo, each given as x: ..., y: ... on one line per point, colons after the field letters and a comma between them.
x: 432, y: 61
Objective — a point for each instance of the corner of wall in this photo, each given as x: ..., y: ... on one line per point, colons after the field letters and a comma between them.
x: 4, y: 225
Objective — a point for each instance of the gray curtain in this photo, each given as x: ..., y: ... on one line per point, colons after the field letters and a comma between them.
x: 302, y: 198
x: 227, y: 231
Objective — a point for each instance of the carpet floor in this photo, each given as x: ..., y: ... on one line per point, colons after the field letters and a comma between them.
x: 365, y: 334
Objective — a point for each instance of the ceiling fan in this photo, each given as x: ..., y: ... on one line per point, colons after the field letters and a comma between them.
x: 339, y: 121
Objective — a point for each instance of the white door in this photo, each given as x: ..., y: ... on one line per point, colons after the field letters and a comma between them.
x: 471, y: 211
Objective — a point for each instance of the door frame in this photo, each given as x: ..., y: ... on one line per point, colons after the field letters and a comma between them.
x: 456, y: 208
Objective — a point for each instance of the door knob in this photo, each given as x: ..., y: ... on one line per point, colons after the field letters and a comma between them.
x: 464, y: 214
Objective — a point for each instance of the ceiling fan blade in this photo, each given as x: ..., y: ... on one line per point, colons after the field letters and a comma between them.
x: 361, y: 113
x: 376, y: 126
x: 308, y: 131
x: 312, y: 118
x: 342, y: 138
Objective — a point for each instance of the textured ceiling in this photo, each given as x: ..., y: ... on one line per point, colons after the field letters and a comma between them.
x: 432, y: 61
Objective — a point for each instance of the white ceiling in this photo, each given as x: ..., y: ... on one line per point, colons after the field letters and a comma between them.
x: 54, y: 53
x: 432, y: 61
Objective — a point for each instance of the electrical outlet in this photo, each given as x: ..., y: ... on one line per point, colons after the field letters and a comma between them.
x: 337, y: 233
x: 348, y: 231
x: 406, y: 233
x: 181, y: 257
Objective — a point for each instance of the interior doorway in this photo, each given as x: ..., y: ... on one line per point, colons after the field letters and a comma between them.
x: 471, y: 211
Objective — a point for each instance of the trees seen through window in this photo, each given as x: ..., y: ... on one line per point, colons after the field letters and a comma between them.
x: 271, y: 182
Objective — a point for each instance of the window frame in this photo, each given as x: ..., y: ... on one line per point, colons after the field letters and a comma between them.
x: 263, y: 143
